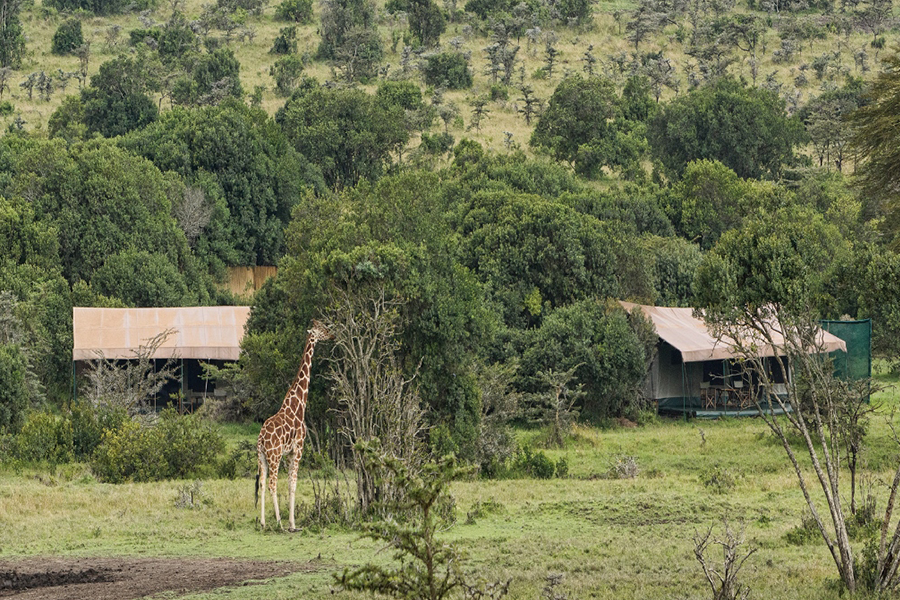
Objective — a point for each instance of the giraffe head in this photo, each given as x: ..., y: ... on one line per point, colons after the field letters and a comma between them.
x: 319, y: 332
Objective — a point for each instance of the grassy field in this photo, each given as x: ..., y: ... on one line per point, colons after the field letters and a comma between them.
x: 606, y: 35
x: 610, y: 538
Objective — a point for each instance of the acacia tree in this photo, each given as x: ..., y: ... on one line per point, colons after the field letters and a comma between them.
x: 759, y: 289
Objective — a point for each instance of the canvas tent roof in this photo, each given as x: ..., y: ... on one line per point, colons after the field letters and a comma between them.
x: 204, y: 332
x: 690, y: 335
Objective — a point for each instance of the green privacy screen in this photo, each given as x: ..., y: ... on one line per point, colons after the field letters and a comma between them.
x: 856, y: 362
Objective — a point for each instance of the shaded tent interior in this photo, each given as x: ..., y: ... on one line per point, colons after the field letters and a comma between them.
x: 209, y: 334
x: 696, y: 374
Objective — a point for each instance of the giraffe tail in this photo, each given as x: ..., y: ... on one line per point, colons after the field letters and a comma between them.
x: 256, y: 490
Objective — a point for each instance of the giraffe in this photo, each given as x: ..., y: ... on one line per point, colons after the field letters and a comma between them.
x: 284, y: 432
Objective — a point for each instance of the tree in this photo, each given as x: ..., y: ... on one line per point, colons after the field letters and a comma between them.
x: 101, y: 200
x: 12, y: 40
x: 129, y: 385
x: 287, y: 71
x: 578, y: 127
x: 18, y: 383
x: 348, y: 133
x: 374, y: 401
x: 349, y: 37
x: 746, y: 129
x: 709, y: 200
x: 448, y: 69
x: 246, y: 167
x: 68, y: 36
x: 139, y: 278
x: 555, y: 406
x: 116, y: 102
x: 760, y: 287
x: 428, y: 568
x: 426, y: 22
x: 535, y: 255
x: 723, y: 581
x: 394, y: 233
x: 297, y: 11
x: 359, y: 55
x: 876, y: 138
x: 595, y: 352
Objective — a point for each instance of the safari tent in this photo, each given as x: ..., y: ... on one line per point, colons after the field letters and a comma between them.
x: 207, y: 333
x: 694, y: 372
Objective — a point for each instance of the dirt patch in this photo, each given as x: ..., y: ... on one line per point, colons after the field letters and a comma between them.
x: 129, y: 578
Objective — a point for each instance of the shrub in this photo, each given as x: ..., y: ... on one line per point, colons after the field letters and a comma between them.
x: 6, y: 108
x: 297, y: 11
x: 536, y: 464
x: 68, y: 36
x: 100, y: 7
x: 190, y: 444
x: 45, y: 437
x: 177, y: 447
x: 450, y: 69
x: 130, y: 453
x: 623, y: 467
x: 439, y: 143
x: 287, y: 71
x: 805, y: 533
x: 88, y: 425
x: 140, y: 36
x: 286, y: 41
x: 240, y: 462
x: 499, y: 93
x: 719, y: 479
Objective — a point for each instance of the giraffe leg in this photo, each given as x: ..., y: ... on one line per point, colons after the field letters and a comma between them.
x: 273, y: 489
x: 261, y: 489
x: 295, y: 465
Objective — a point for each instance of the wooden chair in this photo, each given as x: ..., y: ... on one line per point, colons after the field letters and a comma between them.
x: 707, y: 395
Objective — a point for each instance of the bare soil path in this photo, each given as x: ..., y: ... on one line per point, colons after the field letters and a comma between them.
x: 52, y: 578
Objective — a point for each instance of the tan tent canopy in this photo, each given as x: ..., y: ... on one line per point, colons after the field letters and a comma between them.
x: 690, y: 335
x: 205, y: 332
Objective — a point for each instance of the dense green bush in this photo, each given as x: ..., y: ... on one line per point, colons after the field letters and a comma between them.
x: 13, y: 387
x: 88, y: 425
x: 68, y: 36
x: 298, y: 11
x: 286, y: 41
x: 176, y: 447
x: 45, y: 437
x: 100, y: 7
x: 449, y: 69
x: 286, y: 71
x: 535, y: 464
x: 610, y: 355
x: 130, y: 453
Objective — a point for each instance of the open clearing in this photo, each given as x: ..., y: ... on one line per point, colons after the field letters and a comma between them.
x: 611, y: 538
x: 124, y: 579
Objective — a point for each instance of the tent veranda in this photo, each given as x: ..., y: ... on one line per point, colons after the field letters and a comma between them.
x: 692, y: 369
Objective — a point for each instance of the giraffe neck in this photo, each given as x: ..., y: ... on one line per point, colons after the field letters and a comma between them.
x: 294, y: 404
